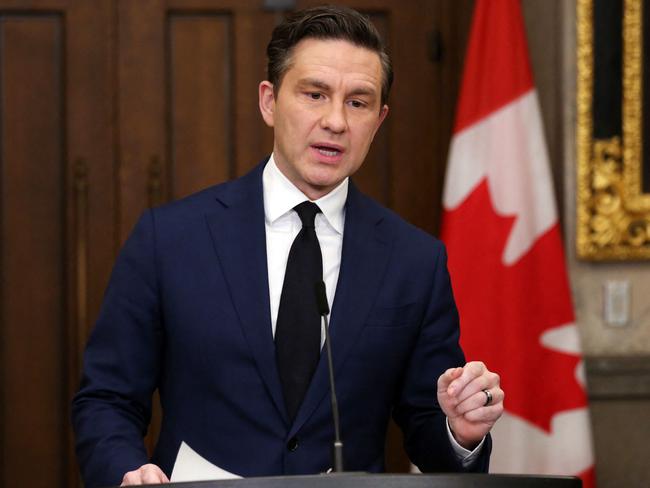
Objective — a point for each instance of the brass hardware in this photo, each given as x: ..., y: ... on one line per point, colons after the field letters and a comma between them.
x: 154, y: 186
x: 81, y: 248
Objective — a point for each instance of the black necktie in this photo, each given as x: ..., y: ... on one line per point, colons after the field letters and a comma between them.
x: 297, y: 333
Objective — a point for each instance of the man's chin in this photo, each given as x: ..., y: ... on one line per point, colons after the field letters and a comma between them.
x: 320, y: 186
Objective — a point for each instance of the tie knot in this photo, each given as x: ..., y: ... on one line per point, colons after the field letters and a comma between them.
x: 307, y: 212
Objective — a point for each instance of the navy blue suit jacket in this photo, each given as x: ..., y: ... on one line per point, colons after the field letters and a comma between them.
x: 187, y: 311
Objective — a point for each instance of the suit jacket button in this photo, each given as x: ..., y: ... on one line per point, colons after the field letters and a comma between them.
x: 292, y: 445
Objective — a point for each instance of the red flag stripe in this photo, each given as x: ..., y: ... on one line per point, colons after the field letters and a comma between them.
x: 489, y: 80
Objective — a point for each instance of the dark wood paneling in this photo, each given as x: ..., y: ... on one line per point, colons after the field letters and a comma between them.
x: 140, y: 109
x: 200, y: 60
x: 452, y: 21
x: 253, y: 139
x: 415, y: 147
x: 91, y: 141
x: 251, y: 27
x: 33, y: 250
x: 91, y: 183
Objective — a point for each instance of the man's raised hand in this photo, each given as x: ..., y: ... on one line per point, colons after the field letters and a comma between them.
x: 472, y: 400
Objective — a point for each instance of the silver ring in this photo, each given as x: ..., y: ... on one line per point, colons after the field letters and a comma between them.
x: 488, y: 397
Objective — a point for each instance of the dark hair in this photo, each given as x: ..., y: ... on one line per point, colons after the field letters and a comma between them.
x: 325, y: 22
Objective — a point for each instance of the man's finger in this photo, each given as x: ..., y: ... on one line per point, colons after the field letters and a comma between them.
x: 152, y: 476
x: 486, y: 381
x: 148, y: 473
x: 471, y: 370
x: 131, y: 478
x: 478, y: 399
x: 487, y: 414
x: 447, y: 377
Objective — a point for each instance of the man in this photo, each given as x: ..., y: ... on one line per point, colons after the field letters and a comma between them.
x: 200, y: 305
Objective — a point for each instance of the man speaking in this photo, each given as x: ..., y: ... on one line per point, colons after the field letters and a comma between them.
x: 212, y: 301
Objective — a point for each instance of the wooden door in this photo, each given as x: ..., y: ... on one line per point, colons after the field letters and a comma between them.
x: 188, y: 74
x: 56, y: 209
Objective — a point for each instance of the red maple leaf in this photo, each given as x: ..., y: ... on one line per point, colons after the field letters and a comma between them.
x: 504, y: 310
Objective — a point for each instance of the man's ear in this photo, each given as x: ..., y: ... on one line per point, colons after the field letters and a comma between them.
x: 267, y: 102
x: 382, y: 116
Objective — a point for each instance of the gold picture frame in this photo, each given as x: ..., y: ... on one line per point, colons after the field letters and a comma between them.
x: 613, y: 212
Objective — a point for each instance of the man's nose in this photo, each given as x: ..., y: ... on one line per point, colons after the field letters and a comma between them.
x: 334, y: 118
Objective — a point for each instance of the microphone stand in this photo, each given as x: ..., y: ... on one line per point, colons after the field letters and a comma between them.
x: 324, y: 310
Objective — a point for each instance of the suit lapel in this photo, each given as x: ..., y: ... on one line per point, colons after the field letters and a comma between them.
x: 364, y: 258
x: 238, y: 232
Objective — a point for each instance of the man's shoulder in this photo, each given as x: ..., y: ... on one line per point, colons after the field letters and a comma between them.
x: 213, y: 198
x: 403, y: 232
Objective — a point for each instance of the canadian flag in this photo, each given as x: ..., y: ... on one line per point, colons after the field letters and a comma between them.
x: 506, y: 259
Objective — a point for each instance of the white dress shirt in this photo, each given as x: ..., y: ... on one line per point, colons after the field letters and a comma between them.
x: 282, y: 226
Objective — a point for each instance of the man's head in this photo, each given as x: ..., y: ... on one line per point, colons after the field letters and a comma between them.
x: 328, y: 79
x: 325, y: 23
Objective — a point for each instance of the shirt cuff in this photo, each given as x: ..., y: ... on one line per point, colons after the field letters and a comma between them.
x: 465, y: 456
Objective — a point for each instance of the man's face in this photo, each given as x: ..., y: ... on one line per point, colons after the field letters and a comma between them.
x: 325, y: 114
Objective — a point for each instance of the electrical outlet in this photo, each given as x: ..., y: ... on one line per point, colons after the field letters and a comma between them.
x: 616, y: 302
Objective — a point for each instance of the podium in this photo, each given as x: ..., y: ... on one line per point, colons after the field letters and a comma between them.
x: 362, y: 480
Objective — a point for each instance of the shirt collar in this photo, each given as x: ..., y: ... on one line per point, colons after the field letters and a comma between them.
x: 280, y: 196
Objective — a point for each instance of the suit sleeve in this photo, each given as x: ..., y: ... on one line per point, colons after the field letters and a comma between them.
x: 417, y: 411
x: 111, y: 411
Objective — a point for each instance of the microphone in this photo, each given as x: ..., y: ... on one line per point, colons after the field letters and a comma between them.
x: 324, y: 310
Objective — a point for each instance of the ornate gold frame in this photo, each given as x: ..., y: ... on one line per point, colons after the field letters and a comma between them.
x: 613, y: 215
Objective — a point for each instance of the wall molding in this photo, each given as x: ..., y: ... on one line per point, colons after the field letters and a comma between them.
x: 618, y: 377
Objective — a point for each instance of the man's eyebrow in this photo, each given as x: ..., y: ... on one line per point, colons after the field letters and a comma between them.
x: 363, y: 91
x: 320, y: 84
x: 313, y: 82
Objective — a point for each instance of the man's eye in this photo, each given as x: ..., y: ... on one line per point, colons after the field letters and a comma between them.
x: 315, y: 96
x: 357, y: 104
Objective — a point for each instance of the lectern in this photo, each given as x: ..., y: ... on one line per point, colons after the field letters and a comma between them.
x: 362, y: 480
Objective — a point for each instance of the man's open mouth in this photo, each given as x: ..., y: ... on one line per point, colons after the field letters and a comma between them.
x: 326, y: 150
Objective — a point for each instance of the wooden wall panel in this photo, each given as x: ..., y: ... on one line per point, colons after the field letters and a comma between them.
x: 451, y: 25
x: 141, y: 114
x: 90, y: 144
x: 33, y: 248
x: 200, y: 92
x: 91, y: 183
x: 253, y: 139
